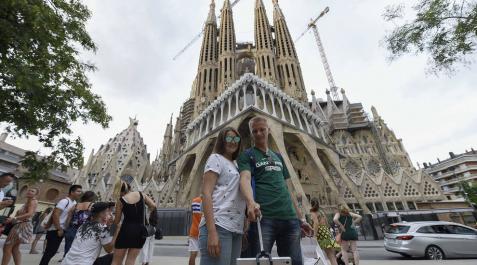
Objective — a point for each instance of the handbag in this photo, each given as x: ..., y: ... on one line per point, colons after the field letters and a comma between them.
x: 7, y: 228
x: 147, y: 229
x: 158, y: 235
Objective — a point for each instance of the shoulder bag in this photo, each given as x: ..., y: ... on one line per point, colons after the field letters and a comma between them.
x: 147, y: 229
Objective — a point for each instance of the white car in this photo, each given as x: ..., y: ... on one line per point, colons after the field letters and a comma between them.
x: 432, y: 239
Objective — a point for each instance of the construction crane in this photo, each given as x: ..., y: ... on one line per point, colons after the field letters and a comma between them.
x: 197, y: 36
x: 329, y: 76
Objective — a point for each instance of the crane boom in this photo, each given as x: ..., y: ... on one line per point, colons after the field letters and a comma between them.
x: 197, y: 36
x: 324, y: 60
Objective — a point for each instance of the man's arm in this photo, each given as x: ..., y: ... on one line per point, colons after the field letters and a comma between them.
x: 306, y: 227
x: 253, y: 208
x: 298, y: 205
x: 109, y: 247
x: 56, y: 221
x: 6, y: 203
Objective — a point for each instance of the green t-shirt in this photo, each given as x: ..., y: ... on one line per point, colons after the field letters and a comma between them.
x: 271, y: 190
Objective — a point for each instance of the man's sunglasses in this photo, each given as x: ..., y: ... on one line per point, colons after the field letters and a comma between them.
x: 232, y: 139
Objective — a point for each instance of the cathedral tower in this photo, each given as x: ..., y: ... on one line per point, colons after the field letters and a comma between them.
x: 264, y: 56
x: 207, y: 73
x: 289, y: 71
x: 226, y: 48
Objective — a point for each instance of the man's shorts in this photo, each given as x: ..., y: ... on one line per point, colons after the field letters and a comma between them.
x: 193, y: 244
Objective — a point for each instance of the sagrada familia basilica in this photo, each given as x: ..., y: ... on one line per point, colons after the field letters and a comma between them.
x: 334, y: 151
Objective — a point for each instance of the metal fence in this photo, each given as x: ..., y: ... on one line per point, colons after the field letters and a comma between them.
x: 174, y: 221
x: 177, y: 221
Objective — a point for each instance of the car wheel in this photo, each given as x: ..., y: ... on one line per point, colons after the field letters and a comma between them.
x: 434, y: 253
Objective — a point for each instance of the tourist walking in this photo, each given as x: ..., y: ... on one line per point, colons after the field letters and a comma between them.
x: 194, y: 229
x: 91, y: 236
x: 22, y: 228
x: 56, y: 224
x: 269, y: 196
x: 322, y: 231
x: 5, y: 180
x: 39, y: 230
x: 148, y: 249
x: 129, y: 238
x: 77, y: 216
x: 346, y: 222
x: 223, y: 206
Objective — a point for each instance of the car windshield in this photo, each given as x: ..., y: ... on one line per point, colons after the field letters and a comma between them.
x: 397, y: 229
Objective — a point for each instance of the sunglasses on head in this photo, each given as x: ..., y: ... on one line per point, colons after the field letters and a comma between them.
x: 232, y: 139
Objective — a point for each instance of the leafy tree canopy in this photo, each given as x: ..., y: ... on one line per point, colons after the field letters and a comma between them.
x: 44, y: 87
x: 446, y: 30
x: 470, y: 192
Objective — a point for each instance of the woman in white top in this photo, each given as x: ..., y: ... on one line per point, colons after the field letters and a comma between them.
x: 221, y: 227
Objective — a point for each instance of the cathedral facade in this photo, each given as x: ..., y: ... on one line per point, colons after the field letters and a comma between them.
x: 335, y: 153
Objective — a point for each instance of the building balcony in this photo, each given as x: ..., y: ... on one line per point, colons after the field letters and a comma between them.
x: 459, y: 170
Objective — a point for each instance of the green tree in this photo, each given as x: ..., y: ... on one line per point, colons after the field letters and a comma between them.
x: 446, y: 30
x: 470, y: 192
x: 44, y: 87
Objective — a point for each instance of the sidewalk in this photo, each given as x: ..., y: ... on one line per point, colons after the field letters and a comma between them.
x: 28, y: 259
x: 182, y: 241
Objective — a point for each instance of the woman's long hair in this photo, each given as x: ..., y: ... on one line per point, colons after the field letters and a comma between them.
x: 120, y: 187
x: 88, y: 196
x: 219, y: 147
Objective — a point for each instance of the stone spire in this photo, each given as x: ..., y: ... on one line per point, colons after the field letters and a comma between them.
x: 289, y: 71
x: 206, y: 80
x: 345, y: 101
x: 316, y: 108
x: 226, y: 47
x: 265, y: 56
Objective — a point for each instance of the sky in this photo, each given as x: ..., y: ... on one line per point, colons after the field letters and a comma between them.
x: 137, y: 77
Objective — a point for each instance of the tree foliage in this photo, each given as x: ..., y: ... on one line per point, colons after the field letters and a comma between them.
x: 44, y: 87
x: 470, y: 192
x: 446, y: 30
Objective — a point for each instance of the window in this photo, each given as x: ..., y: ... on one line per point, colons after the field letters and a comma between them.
x: 425, y: 230
x: 399, y: 206
x: 379, y: 207
x: 411, y: 205
x: 440, y: 229
x: 370, y: 206
x: 397, y: 229
x: 52, y: 194
x: 460, y: 230
x: 390, y: 206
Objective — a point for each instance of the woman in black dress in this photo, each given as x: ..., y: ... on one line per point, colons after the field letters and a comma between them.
x: 128, y: 239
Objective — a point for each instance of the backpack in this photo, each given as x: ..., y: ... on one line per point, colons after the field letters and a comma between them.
x: 253, y: 162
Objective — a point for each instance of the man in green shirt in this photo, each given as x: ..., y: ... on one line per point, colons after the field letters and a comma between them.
x: 270, y: 198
